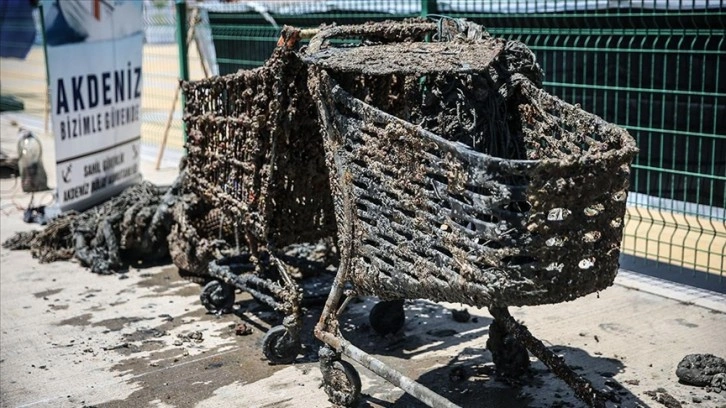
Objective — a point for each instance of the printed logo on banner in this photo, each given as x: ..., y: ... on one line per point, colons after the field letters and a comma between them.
x: 94, y: 59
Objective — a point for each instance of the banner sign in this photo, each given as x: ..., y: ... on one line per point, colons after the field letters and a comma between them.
x: 94, y: 51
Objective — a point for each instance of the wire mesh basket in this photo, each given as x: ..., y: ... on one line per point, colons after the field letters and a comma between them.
x: 255, y: 156
x: 199, y: 235
x: 255, y: 150
x: 524, y: 209
x: 456, y: 178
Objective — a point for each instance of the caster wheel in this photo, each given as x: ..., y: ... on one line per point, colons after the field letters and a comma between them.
x: 217, y: 297
x: 510, y: 356
x: 279, y: 347
x: 341, y: 382
x: 387, y: 317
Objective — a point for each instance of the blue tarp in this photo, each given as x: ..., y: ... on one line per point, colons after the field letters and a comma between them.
x: 17, y: 28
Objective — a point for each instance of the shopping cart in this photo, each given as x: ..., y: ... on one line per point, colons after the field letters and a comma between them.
x: 456, y: 178
x: 255, y: 156
x: 199, y: 235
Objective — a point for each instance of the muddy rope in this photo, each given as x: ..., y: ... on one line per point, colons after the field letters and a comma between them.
x: 130, y: 228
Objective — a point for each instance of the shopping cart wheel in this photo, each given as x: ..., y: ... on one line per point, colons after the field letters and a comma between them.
x: 509, y: 355
x: 217, y: 297
x: 387, y: 317
x: 340, y: 380
x: 279, y: 346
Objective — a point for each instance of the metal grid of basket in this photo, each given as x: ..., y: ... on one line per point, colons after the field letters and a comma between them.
x: 456, y: 178
x: 255, y: 151
x: 255, y: 156
x: 442, y: 217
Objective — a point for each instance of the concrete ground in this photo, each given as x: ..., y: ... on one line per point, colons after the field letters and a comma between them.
x: 70, y: 338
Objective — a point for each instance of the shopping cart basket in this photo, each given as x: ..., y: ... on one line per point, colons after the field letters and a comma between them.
x: 199, y: 235
x: 255, y: 154
x: 456, y: 178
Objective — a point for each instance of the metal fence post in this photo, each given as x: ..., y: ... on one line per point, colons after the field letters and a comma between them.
x: 181, y: 29
x: 47, y: 105
x: 428, y: 7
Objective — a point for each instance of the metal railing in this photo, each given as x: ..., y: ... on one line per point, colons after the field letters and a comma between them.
x: 163, y: 68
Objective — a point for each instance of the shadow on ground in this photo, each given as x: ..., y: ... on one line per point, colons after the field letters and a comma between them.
x: 439, y: 352
x: 469, y: 379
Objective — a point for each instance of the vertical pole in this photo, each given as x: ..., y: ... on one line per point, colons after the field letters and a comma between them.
x: 428, y: 7
x: 190, y: 35
x: 181, y: 29
x: 46, y: 109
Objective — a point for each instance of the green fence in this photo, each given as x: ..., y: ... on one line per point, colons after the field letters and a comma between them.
x: 245, y: 33
x: 655, y: 67
x: 161, y: 78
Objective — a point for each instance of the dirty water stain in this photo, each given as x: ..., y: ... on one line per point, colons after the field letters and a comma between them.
x: 614, y: 328
x: 146, y: 334
x: 214, y: 365
x: 162, y: 278
x: 130, y: 290
x: 176, y: 378
x: 148, y: 338
x: 183, y: 290
x: 187, y: 290
x: 145, y: 346
x: 119, y: 323
x: 683, y: 322
x: 180, y: 380
x: 152, y: 345
x: 81, y: 320
x: 46, y: 293
x: 168, y: 280
x: 156, y: 360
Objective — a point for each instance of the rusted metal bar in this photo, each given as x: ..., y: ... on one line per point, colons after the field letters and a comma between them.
x: 582, y: 387
x: 250, y: 283
x: 328, y: 318
x: 396, y: 378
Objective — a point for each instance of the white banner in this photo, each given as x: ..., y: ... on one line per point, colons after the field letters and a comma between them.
x: 94, y: 60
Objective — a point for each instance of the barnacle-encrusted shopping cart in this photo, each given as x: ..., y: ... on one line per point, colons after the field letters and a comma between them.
x: 456, y: 178
x: 255, y: 158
